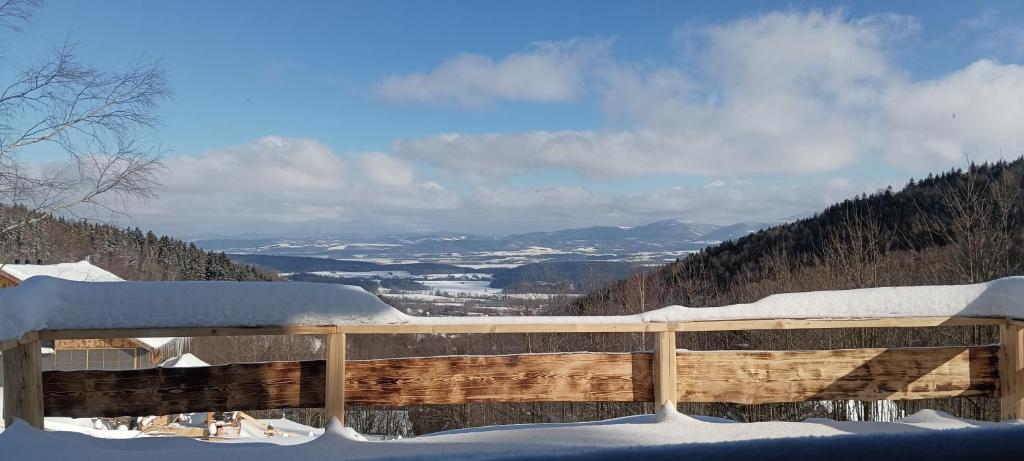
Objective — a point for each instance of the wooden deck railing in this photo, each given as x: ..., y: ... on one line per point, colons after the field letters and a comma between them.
x: 664, y: 375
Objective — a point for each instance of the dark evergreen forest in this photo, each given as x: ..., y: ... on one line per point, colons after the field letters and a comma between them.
x: 130, y: 253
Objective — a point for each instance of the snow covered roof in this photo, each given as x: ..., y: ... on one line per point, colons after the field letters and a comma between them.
x: 82, y: 271
x: 185, y: 360
x: 51, y: 303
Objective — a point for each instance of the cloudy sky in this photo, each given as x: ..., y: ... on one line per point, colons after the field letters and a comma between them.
x: 498, y: 117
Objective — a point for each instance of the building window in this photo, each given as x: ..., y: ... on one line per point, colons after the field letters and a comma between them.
x: 118, y: 359
x: 90, y: 359
x: 75, y: 359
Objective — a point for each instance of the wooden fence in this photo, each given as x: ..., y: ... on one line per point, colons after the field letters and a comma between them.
x: 665, y: 375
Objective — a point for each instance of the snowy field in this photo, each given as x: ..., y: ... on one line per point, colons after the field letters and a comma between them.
x: 927, y: 435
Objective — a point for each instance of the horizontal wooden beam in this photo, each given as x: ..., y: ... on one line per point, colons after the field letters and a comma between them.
x: 483, y: 325
x: 581, y: 377
x: 168, y: 391
x: 186, y: 332
x: 814, y: 324
x: 752, y: 377
x: 719, y: 376
x: 498, y: 325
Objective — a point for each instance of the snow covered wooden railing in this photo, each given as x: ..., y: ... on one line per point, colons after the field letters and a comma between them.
x: 664, y: 375
x: 48, y: 309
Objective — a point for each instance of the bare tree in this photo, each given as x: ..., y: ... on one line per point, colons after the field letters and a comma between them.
x: 857, y: 252
x: 72, y: 135
x: 979, y: 225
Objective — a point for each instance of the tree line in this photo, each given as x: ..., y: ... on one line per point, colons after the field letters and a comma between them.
x: 130, y: 253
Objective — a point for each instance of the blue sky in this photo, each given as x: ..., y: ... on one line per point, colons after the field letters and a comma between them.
x: 515, y: 116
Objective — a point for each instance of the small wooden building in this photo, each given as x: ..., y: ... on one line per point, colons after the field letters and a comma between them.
x: 86, y: 354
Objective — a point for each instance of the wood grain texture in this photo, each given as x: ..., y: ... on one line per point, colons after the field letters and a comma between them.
x: 494, y: 325
x: 1011, y: 372
x: 665, y: 372
x: 583, y: 377
x: 752, y: 377
x: 165, y: 391
x: 108, y: 343
x: 396, y: 382
x: 721, y: 376
x: 817, y: 324
x: 335, y: 369
x: 22, y: 386
x: 187, y: 331
x: 471, y: 325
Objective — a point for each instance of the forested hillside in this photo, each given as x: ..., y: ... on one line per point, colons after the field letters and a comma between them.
x: 957, y: 227
x: 129, y: 253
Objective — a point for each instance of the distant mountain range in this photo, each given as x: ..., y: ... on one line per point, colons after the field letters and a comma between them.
x: 654, y: 242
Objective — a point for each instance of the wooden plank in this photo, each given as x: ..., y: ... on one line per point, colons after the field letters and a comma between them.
x: 166, y: 391
x: 752, y: 377
x: 474, y: 325
x: 187, y: 331
x: 478, y: 325
x: 23, y: 390
x: 107, y: 343
x: 406, y: 381
x: 812, y: 324
x: 335, y: 393
x: 720, y: 376
x: 665, y: 372
x: 1011, y: 372
x: 583, y: 377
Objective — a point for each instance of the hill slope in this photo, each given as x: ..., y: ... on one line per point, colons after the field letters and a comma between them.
x: 957, y: 227
x: 129, y: 253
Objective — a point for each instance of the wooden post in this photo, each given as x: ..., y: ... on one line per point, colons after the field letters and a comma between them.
x: 23, y: 384
x: 335, y: 392
x: 1011, y: 366
x: 665, y: 373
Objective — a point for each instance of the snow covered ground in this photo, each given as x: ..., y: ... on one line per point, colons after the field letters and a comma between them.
x: 665, y: 435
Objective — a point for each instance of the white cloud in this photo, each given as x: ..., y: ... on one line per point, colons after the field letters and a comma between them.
x: 783, y: 93
x: 545, y: 71
x: 386, y: 170
x: 986, y: 19
x: 269, y: 164
x: 976, y: 112
x: 276, y: 183
x: 512, y: 209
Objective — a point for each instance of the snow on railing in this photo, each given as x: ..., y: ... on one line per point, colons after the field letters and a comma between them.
x: 666, y: 375
x: 49, y: 309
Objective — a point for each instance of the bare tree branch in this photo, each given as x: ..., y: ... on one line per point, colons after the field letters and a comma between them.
x: 74, y: 135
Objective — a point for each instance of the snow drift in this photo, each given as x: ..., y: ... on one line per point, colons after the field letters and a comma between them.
x: 49, y: 303
x: 666, y: 435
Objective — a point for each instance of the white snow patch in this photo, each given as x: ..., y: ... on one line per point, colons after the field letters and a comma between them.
x: 50, y: 303
x: 81, y: 271
x: 1002, y: 298
x: 186, y: 360
x: 666, y: 428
